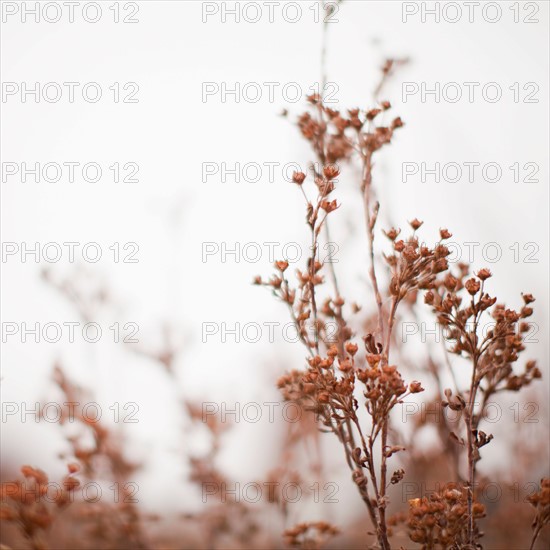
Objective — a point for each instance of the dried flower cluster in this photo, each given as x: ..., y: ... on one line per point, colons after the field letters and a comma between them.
x: 338, y: 369
x: 105, y: 449
x: 441, y: 520
x: 459, y: 303
x: 33, y: 505
x: 541, y: 502
x: 309, y: 536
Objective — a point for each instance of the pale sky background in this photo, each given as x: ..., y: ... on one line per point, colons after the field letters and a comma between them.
x: 171, y: 212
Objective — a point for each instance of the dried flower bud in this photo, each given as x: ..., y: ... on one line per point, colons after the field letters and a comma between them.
x: 73, y: 467
x: 345, y: 365
x: 440, y: 265
x: 331, y: 171
x: 429, y: 297
x: 397, y: 123
x: 472, y: 286
x: 415, y: 387
x: 34, y: 473
x: 484, y: 274
x: 352, y: 348
x: 528, y: 298
x: 71, y: 483
x: 392, y: 233
x: 526, y: 312
x: 298, y: 177
x: 409, y: 253
x: 356, y: 123
x: 373, y: 359
x: 359, y: 478
x: 323, y: 397
x: 450, y: 282
x: 371, y: 115
x: 399, y: 246
x: 315, y: 361
x: 394, y: 449
x: 276, y: 282
x: 397, y: 476
x: 415, y: 224
x: 329, y: 206
x: 445, y: 234
x: 385, y: 105
x: 281, y: 265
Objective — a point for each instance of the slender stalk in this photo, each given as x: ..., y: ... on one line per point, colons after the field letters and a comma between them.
x: 383, y: 474
x: 535, y: 536
x: 370, y: 223
x: 468, y: 418
x: 391, y: 323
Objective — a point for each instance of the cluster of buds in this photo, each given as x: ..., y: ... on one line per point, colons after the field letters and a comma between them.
x: 106, y: 449
x: 27, y: 502
x: 333, y: 145
x: 459, y: 302
x: 334, y: 135
x: 454, y: 402
x: 384, y: 386
x: 330, y: 382
x: 414, y: 265
x: 310, y: 535
x: 446, y: 519
x: 302, y: 300
x: 299, y: 299
x: 514, y: 382
x: 291, y: 386
x: 541, y: 502
x: 381, y: 135
x: 441, y: 520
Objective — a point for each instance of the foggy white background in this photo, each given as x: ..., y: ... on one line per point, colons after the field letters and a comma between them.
x: 171, y: 211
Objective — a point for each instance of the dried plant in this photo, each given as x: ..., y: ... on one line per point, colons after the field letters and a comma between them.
x: 541, y: 501
x: 443, y: 519
x: 106, y: 452
x: 309, y: 536
x: 492, y: 356
x: 31, y: 505
x: 336, y: 370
